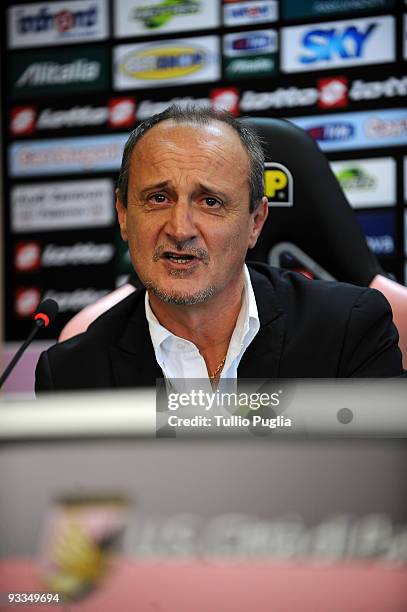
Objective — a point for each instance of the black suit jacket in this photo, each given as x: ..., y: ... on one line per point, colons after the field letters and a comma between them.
x: 307, y: 329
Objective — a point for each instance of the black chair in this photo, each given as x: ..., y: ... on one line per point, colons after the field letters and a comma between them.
x: 311, y: 226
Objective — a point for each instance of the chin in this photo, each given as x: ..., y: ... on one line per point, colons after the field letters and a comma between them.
x: 180, y: 298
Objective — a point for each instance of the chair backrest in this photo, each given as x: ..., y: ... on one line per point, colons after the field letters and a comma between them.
x: 308, y: 207
x: 311, y: 220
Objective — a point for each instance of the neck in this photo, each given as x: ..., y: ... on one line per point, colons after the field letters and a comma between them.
x: 209, y: 325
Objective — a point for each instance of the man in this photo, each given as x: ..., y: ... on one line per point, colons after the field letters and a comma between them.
x: 190, y: 204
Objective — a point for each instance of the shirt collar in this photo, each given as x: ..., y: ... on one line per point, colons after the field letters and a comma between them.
x: 247, y: 324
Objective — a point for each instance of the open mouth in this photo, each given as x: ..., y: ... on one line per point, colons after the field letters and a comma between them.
x: 181, y: 258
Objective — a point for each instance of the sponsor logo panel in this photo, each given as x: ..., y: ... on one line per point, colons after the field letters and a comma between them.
x: 282, y: 97
x: 37, y: 73
x: 338, y: 43
x: 250, y: 13
x: 278, y: 185
x: 333, y: 92
x: 122, y: 112
x: 367, y: 182
x: 31, y: 256
x: 116, y: 113
x: 360, y: 130
x: 66, y: 155
x: 146, y: 18
x: 27, y: 256
x: 62, y: 206
x: 222, y: 98
x: 327, y: 93
x: 293, y: 9
x: 26, y: 300
x: 225, y: 98
x: 175, y: 62
x: 74, y: 301
x: 148, y: 108
x: 57, y: 23
x: 379, y: 229
x: 250, y: 53
x: 23, y: 120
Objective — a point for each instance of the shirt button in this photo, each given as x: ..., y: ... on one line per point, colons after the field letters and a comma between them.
x: 180, y: 346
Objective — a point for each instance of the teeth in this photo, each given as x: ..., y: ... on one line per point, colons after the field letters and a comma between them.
x: 179, y: 259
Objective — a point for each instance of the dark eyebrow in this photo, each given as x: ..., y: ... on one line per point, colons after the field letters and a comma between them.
x: 154, y: 186
x: 213, y: 190
x: 200, y: 189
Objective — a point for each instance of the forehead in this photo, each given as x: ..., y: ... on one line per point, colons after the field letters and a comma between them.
x: 213, y: 148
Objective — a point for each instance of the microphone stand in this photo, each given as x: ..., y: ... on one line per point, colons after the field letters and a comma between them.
x: 38, y: 324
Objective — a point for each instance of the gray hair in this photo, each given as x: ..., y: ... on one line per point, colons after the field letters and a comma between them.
x: 200, y: 116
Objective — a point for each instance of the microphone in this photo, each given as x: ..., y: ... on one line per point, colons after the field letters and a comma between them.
x: 44, y: 315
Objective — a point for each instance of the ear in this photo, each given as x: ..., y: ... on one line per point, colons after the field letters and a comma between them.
x: 258, y: 218
x: 121, y: 216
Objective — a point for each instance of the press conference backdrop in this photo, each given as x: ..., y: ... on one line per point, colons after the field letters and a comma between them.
x: 79, y: 75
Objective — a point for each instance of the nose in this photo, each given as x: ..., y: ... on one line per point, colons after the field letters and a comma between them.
x: 180, y: 225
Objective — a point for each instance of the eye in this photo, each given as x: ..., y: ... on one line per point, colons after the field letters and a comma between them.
x: 212, y: 202
x: 158, y: 197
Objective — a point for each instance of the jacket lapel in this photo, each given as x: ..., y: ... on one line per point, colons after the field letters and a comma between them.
x: 262, y: 357
x: 133, y: 358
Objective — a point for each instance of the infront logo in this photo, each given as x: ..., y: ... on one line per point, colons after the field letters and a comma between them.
x: 278, y: 184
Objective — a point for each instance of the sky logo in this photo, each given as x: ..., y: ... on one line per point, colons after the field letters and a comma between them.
x: 326, y: 44
x: 338, y: 43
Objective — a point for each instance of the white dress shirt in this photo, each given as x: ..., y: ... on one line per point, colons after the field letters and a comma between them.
x: 179, y: 358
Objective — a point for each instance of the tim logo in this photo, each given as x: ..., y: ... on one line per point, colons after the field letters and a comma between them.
x: 329, y: 43
x: 332, y: 132
x: 251, y: 43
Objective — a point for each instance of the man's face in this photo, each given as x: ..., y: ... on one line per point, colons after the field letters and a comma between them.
x: 187, y: 220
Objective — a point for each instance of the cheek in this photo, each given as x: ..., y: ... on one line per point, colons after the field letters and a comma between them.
x: 236, y: 239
